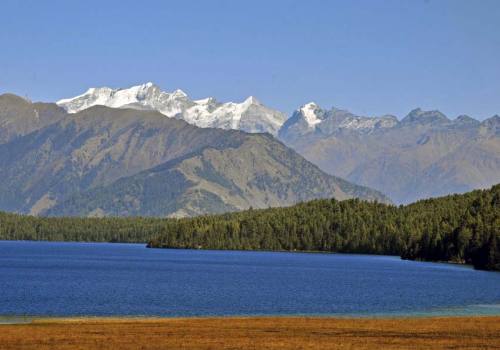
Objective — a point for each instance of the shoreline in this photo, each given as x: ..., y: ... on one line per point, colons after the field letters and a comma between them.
x: 7, y: 319
x: 492, y: 310
x: 473, y: 332
x: 147, y: 246
x: 473, y: 310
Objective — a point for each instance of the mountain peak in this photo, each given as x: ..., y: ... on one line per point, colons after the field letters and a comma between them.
x: 16, y: 98
x: 311, y: 114
x: 179, y: 93
x: 465, y: 119
x: 139, y: 87
x: 420, y: 116
x: 310, y: 105
x: 492, y: 122
x: 206, y: 101
x: 252, y: 100
x: 204, y: 113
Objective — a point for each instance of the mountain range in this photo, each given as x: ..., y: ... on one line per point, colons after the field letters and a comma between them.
x: 104, y: 161
x: 425, y: 154
x: 250, y: 115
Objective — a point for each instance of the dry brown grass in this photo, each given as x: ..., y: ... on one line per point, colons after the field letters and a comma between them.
x: 254, y: 333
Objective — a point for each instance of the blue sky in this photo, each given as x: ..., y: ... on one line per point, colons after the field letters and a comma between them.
x: 371, y: 57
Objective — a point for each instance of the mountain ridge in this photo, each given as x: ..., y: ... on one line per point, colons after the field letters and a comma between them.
x: 400, y: 157
x: 423, y: 155
x: 250, y: 115
x: 99, y: 145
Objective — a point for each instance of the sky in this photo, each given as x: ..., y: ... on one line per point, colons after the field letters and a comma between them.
x: 370, y: 57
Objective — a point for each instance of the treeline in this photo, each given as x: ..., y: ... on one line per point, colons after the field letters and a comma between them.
x: 126, y: 229
x: 460, y: 228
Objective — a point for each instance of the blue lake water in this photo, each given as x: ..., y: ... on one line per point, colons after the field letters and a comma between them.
x: 69, y: 279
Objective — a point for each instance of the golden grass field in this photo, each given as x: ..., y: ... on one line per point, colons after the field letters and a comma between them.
x: 254, y: 333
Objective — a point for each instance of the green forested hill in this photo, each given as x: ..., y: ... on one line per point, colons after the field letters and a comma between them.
x: 460, y: 228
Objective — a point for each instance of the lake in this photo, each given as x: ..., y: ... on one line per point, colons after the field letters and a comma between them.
x: 101, y: 279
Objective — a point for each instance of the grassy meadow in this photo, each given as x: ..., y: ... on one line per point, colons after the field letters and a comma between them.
x: 253, y: 333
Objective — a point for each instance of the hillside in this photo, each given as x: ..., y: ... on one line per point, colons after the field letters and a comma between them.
x: 259, y: 172
x: 458, y: 228
x: 164, y: 166
x: 20, y: 117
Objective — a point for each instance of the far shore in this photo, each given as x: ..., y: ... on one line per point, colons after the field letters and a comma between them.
x: 474, y: 332
x: 147, y: 245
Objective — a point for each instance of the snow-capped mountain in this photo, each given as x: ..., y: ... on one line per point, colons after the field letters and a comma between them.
x: 310, y: 118
x: 311, y: 114
x: 250, y: 115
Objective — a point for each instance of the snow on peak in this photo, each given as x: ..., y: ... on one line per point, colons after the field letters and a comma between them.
x: 311, y: 118
x: 206, y: 101
x: 108, y: 97
x: 310, y: 105
x: 309, y: 112
x: 367, y: 123
x: 205, y: 112
x: 251, y: 100
x: 179, y: 93
x: 210, y: 113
